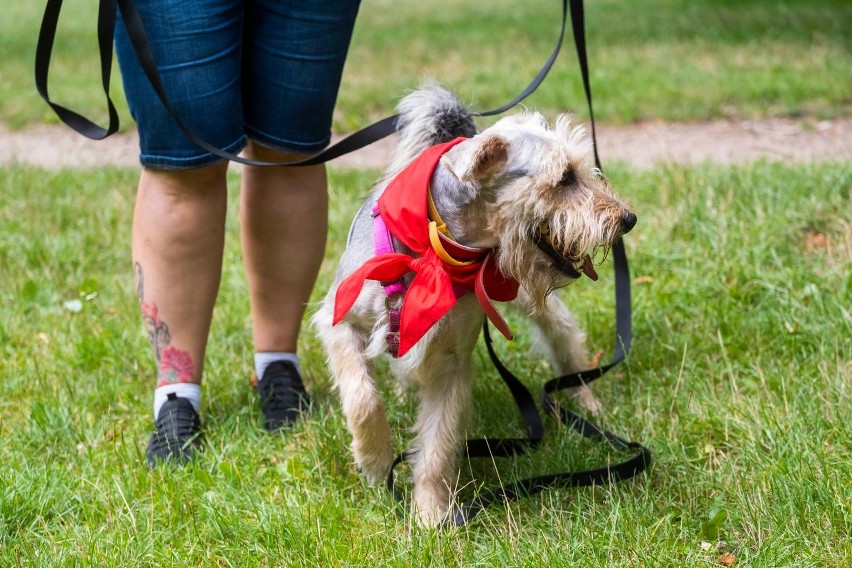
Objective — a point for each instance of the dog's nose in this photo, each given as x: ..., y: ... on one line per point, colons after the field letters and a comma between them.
x: 628, y: 221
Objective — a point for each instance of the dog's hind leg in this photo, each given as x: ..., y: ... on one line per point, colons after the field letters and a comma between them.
x: 561, y: 339
x: 362, y: 405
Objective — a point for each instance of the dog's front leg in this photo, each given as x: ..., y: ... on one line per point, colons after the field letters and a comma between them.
x: 362, y: 406
x: 564, y: 342
x: 445, y: 400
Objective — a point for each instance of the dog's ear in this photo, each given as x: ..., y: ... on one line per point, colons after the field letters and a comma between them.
x: 477, y: 161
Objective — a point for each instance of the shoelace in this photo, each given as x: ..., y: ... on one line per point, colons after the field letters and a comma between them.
x: 178, y: 424
x: 281, y: 392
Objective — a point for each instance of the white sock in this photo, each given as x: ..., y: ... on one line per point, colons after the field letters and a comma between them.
x: 189, y: 391
x: 263, y: 360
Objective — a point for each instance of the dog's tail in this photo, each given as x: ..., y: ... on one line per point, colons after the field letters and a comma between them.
x: 430, y: 115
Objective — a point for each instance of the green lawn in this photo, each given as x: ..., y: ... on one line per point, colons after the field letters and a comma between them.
x: 656, y: 59
x: 739, y: 381
x: 740, y: 378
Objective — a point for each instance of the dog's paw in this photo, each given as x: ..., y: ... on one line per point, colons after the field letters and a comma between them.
x: 587, y: 400
x: 375, y: 471
x: 431, y: 519
x: 432, y: 506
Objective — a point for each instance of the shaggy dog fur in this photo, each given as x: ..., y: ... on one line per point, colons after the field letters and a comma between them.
x: 497, y: 190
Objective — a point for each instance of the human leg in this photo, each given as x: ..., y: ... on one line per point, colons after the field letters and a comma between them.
x: 178, y: 226
x: 178, y: 229
x: 284, y: 222
x: 293, y: 61
x: 178, y: 239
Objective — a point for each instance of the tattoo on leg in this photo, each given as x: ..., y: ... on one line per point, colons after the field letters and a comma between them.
x: 173, y: 365
x: 158, y: 331
x: 140, y: 287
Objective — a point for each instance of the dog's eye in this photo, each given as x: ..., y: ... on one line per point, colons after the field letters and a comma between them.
x: 569, y: 177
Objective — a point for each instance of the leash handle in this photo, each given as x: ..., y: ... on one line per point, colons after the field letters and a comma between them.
x: 142, y: 47
x: 44, y: 49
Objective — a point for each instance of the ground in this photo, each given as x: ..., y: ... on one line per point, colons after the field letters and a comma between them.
x: 641, y: 145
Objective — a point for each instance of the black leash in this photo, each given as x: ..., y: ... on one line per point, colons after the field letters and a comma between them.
x: 506, y: 447
x: 44, y: 48
x: 139, y: 40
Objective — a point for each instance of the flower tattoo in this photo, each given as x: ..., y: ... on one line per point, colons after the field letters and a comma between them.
x: 175, y: 367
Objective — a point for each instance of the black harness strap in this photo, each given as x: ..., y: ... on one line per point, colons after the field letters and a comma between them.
x: 142, y: 47
x: 504, y: 447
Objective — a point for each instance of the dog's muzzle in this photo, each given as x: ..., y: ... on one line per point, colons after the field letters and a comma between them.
x: 567, y: 264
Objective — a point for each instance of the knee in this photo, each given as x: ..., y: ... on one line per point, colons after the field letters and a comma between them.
x: 186, y: 207
x: 301, y: 177
x: 207, y: 184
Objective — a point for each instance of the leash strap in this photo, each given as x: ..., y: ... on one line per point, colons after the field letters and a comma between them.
x: 139, y: 40
x: 505, y: 447
x: 44, y: 48
x: 623, y: 316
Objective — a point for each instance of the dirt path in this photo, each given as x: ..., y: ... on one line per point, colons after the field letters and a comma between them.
x: 642, y: 145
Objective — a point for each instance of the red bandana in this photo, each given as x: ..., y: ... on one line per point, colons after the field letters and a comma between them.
x: 403, y: 206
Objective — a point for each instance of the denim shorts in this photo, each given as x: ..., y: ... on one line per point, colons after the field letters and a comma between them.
x: 268, y: 70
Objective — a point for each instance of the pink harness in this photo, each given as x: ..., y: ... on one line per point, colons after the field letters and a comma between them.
x: 383, y: 243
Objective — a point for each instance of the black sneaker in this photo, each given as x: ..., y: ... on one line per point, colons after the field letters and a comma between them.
x: 282, y: 395
x: 177, y: 432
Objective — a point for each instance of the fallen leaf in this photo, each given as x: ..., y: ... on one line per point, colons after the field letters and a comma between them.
x: 727, y: 559
x: 643, y: 280
x: 596, y: 360
x: 815, y: 240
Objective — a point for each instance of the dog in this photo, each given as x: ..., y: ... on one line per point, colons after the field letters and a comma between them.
x: 511, y: 214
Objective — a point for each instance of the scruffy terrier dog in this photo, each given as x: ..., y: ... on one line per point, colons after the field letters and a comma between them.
x: 511, y: 213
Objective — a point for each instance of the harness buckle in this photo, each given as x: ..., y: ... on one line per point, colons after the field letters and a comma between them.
x: 393, y: 304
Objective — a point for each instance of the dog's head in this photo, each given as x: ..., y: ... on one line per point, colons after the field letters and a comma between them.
x: 532, y: 192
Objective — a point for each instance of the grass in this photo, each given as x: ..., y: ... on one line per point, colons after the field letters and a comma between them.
x: 661, y: 59
x: 740, y: 381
